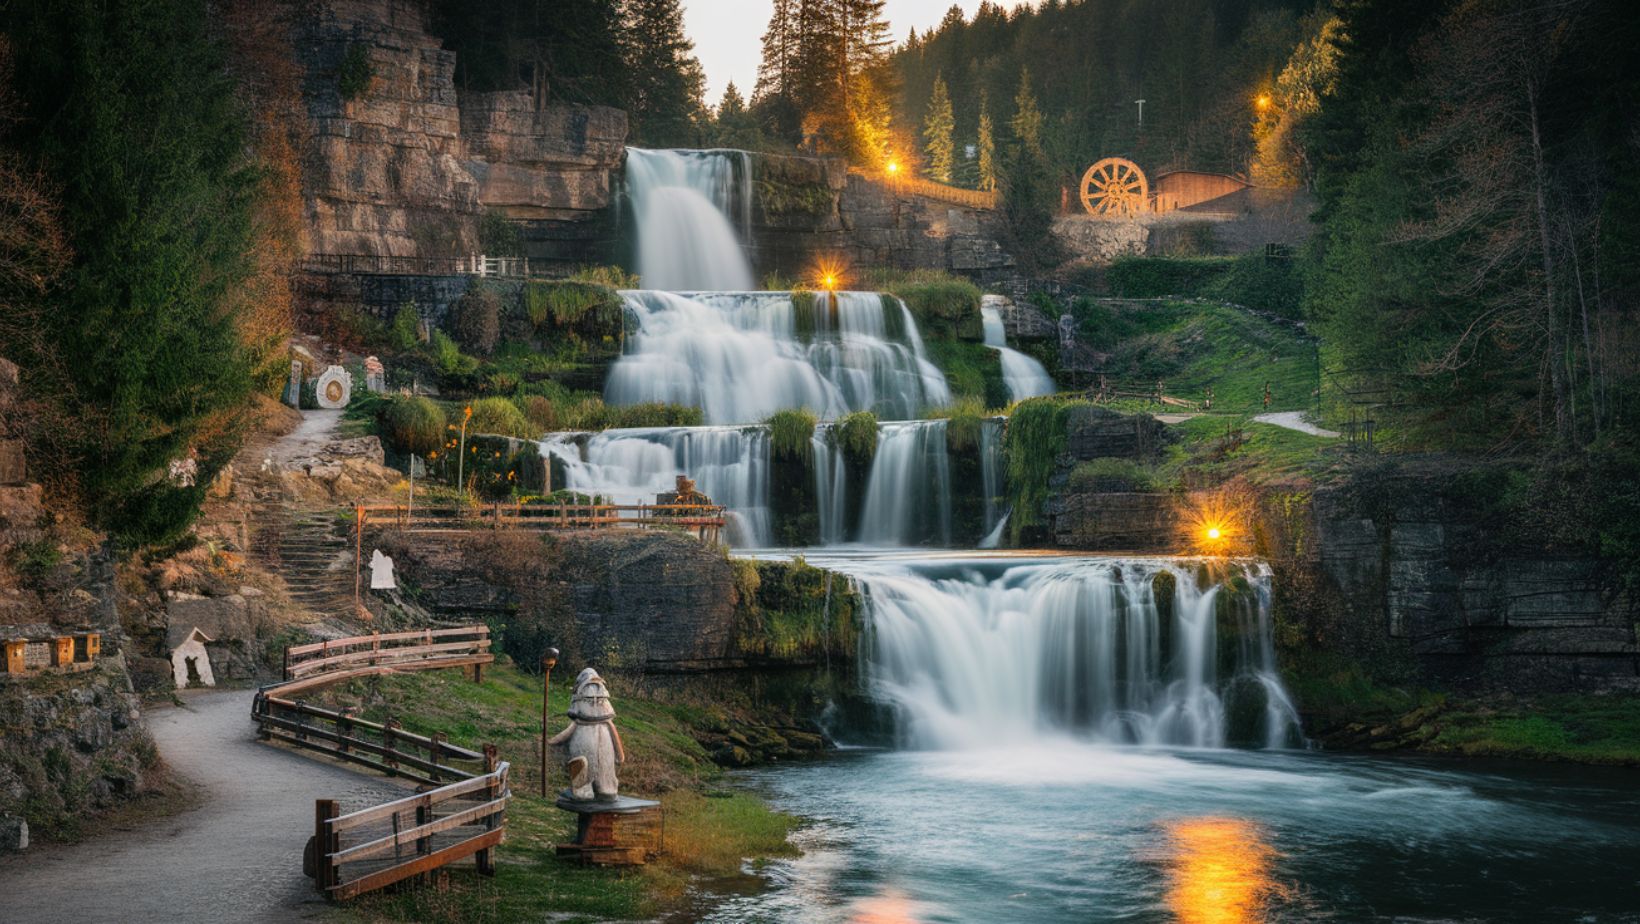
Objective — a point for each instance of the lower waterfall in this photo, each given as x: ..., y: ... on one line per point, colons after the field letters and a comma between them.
x: 1129, y: 651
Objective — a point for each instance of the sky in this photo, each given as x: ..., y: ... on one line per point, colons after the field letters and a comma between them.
x: 728, y: 34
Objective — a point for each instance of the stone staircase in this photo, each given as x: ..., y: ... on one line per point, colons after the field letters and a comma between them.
x: 312, y: 552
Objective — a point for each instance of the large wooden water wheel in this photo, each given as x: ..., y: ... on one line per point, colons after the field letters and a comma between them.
x: 1115, y: 188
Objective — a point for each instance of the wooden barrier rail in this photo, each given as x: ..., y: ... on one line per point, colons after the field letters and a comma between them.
x: 374, y: 847
x: 462, y: 816
x: 707, y: 520
x: 468, y: 645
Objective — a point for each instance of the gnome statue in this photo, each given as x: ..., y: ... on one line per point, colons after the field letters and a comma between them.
x: 591, y: 741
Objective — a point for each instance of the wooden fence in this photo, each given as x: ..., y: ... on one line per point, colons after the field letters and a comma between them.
x: 388, y: 264
x: 928, y: 189
x: 374, y: 847
x: 706, y: 520
x: 462, y: 816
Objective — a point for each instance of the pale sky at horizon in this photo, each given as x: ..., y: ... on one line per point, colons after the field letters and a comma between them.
x: 728, y: 34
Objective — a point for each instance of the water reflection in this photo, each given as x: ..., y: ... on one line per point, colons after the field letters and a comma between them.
x: 890, y: 907
x: 1218, y: 871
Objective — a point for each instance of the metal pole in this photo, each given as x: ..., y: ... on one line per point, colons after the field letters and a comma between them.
x: 548, y: 662
x: 358, y: 551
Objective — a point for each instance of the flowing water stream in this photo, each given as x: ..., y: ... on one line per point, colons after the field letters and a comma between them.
x: 1056, y: 738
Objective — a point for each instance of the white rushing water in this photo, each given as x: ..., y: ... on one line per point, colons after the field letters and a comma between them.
x: 908, y: 498
x: 974, y: 655
x: 681, y: 202
x: 741, y: 356
x: 729, y: 464
x: 1023, y: 375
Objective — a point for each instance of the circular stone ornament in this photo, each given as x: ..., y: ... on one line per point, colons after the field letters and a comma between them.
x: 334, y: 388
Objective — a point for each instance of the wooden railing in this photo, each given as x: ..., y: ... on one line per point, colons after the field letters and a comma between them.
x: 707, y: 520
x: 389, y: 264
x: 463, y: 816
x: 928, y: 189
x: 424, y: 649
x: 384, y: 747
x: 375, y: 847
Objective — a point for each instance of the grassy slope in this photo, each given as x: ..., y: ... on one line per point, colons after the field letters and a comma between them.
x: 1220, y: 447
x: 709, y: 831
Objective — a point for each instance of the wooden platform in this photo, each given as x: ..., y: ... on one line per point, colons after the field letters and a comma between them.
x: 622, y: 832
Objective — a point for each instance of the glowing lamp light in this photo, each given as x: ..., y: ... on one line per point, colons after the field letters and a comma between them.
x: 1263, y: 101
x: 1213, y: 532
x: 893, y: 166
x: 829, y: 282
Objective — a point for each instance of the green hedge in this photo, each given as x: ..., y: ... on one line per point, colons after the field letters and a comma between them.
x: 1273, y: 284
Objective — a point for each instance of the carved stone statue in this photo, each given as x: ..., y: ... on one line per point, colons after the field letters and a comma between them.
x: 591, y: 742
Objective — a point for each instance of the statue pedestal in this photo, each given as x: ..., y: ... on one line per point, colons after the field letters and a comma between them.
x: 621, y: 832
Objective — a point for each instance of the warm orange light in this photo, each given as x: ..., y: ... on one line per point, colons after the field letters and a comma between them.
x: 1212, y: 532
x: 1263, y: 101
x: 893, y: 166
x: 830, y: 281
x: 1219, y: 871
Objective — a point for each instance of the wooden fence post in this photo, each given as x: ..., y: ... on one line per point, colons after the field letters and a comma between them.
x: 388, y: 740
x: 326, y: 842
x: 492, y: 792
x: 434, y: 742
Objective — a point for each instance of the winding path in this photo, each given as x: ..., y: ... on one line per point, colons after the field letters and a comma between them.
x: 236, y: 857
x: 1294, y: 420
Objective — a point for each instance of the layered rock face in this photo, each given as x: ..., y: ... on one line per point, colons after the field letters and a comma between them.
x: 408, y: 165
x: 1471, y: 610
x: 1113, y: 520
x: 382, y: 172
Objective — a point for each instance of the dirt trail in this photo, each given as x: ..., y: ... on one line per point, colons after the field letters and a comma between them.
x: 1294, y: 420
x: 316, y: 429
x: 237, y: 857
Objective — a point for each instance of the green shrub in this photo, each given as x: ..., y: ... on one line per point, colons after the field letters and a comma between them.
x: 498, y: 236
x: 502, y: 382
x: 587, y: 414
x: 414, y: 426
x: 856, y: 435
x: 353, y: 78
x: 653, y: 414
x: 588, y: 307
x: 501, y: 417
x: 972, y: 370
x: 34, y: 560
x: 944, y: 306
x: 1034, y: 438
x: 1272, y: 284
x: 1112, y: 475
x: 447, y: 357
x: 541, y: 412
x: 405, y: 334
x: 610, y: 277
x: 1154, y: 277
x: 965, y: 419
x: 790, y: 433
x: 475, y: 320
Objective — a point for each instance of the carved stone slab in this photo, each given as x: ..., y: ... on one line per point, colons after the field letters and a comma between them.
x: 334, y: 388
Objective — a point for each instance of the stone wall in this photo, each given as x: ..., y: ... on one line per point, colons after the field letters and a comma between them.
x: 1472, y: 610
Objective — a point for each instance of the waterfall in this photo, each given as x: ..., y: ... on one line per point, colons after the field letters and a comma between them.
x: 990, y: 469
x: 985, y: 653
x: 681, y: 201
x: 1023, y: 375
x: 830, y: 486
x: 741, y: 356
x: 908, y: 496
x: 729, y: 464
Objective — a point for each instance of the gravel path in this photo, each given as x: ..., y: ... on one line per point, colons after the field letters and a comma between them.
x: 237, y: 857
x: 316, y: 429
x: 1294, y: 420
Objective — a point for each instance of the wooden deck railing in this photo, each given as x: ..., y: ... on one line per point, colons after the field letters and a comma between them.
x: 375, y: 847
x: 707, y: 520
x: 423, y: 649
x: 462, y: 816
x: 928, y: 189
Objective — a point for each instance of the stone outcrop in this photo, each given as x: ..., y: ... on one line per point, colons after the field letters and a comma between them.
x: 1115, y: 521
x: 1471, y: 610
x: 382, y: 172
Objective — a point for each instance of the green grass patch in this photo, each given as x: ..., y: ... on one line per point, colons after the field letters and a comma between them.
x: 972, y: 370
x: 1031, y: 445
x: 1113, y: 474
x: 856, y: 435
x: 1577, y: 727
x: 944, y: 306
x: 710, y: 833
x: 964, y: 420
x: 1214, y: 449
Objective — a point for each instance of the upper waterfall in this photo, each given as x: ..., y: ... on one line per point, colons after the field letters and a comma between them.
x: 741, y: 356
x: 682, y: 201
x: 1023, y: 375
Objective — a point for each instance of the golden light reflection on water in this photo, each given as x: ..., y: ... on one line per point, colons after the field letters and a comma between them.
x: 890, y: 907
x: 1219, y: 871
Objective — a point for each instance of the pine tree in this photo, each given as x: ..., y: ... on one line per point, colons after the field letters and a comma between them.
x: 1027, y: 120
x: 987, y: 147
x: 734, y: 126
x: 938, y: 126
x: 667, y: 81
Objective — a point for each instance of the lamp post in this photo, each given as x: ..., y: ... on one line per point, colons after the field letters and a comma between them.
x: 548, y: 662
x: 461, y: 452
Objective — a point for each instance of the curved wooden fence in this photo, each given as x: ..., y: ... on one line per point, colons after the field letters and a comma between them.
x: 707, y: 520
x: 463, y: 815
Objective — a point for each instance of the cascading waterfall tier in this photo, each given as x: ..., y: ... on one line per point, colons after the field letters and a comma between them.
x: 974, y: 653
x: 729, y: 464
x: 741, y: 356
x: 1023, y: 375
x: 681, y: 201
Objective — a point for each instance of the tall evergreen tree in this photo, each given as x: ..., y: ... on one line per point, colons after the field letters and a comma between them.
x: 987, y: 147
x: 1027, y: 120
x: 132, y: 113
x: 938, y: 127
x: 666, y: 109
